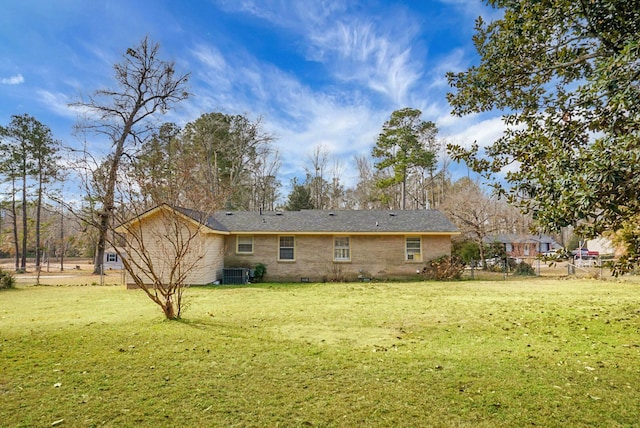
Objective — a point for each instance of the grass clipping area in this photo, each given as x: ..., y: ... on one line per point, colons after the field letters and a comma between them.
x: 512, y: 353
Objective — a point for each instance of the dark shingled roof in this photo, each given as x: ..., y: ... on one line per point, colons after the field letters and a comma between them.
x: 338, y: 221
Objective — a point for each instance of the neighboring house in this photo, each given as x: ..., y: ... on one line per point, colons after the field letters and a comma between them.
x: 112, y: 260
x: 313, y: 245
x: 524, y: 246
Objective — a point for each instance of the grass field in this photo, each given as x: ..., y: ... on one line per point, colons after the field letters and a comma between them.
x: 536, y: 352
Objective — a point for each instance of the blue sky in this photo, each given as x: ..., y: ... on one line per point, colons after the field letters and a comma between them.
x: 318, y: 72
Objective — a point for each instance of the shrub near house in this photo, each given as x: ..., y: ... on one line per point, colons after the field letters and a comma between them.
x: 6, y: 279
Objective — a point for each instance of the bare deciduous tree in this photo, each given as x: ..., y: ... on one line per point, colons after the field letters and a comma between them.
x: 316, y: 180
x: 164, y: 250
x: 266, y: 185
x: 365, y: 194
x: 471, y: 210
x: 146, y: 85
x: 162, y: 244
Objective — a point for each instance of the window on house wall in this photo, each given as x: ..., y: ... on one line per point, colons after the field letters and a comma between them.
x: 508, y: 248
x: 287, y: 248
x: 112, y: 257
x: 413, y: 247
x: 341, y: 249
x: 244, y: 244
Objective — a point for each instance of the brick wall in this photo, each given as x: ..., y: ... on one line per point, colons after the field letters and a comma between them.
x: 372, y: 256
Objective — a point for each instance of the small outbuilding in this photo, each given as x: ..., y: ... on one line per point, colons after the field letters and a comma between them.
x: 112, y: 259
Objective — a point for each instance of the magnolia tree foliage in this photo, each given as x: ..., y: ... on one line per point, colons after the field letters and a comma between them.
x: 566, y: 76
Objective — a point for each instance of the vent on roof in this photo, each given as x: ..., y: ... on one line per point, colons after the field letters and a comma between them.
x: 229, y: 213
x: 392, y: 214
x: 332, y: 214
x: 278, y: 212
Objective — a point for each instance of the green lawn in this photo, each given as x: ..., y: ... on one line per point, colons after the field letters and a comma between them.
x: 535, y: 352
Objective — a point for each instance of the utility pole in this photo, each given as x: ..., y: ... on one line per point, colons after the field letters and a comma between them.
x: 61, y: 237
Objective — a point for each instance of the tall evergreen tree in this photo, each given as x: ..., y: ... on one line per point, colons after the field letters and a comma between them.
x: 299, y: 198
x: 401, y: 147
x: 29, y: 151
x: 156, y: 166
x: 10, y: 166
x: 44, y: 151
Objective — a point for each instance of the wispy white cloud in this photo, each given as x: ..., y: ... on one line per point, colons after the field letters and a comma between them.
x: 474, y: 9
x: 467, y: 130
x: 290, y: 14
x: 360, y: 51
x: 297, y: 115
x: 355, y: 49
x: 212, y: 69
x: 210, y: 57
x: 454, y: 61
x: 327, y: 73
x: 60, y: 104
x: 372, y: 50
x: 13, y: 80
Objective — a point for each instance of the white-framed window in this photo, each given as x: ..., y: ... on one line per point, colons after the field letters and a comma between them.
x: 112, y: 257
x: 286, y: 248
x: 341, y: 249
x: 244, y: 244
x: 413, y: 248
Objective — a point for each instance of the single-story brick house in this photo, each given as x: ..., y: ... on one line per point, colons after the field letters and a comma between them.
x: 523, y: 246
x: 311, y: 245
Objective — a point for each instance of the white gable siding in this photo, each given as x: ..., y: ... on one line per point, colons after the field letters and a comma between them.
x: 202, y: 261
x: 213, y: 261
x: 112, y: 260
